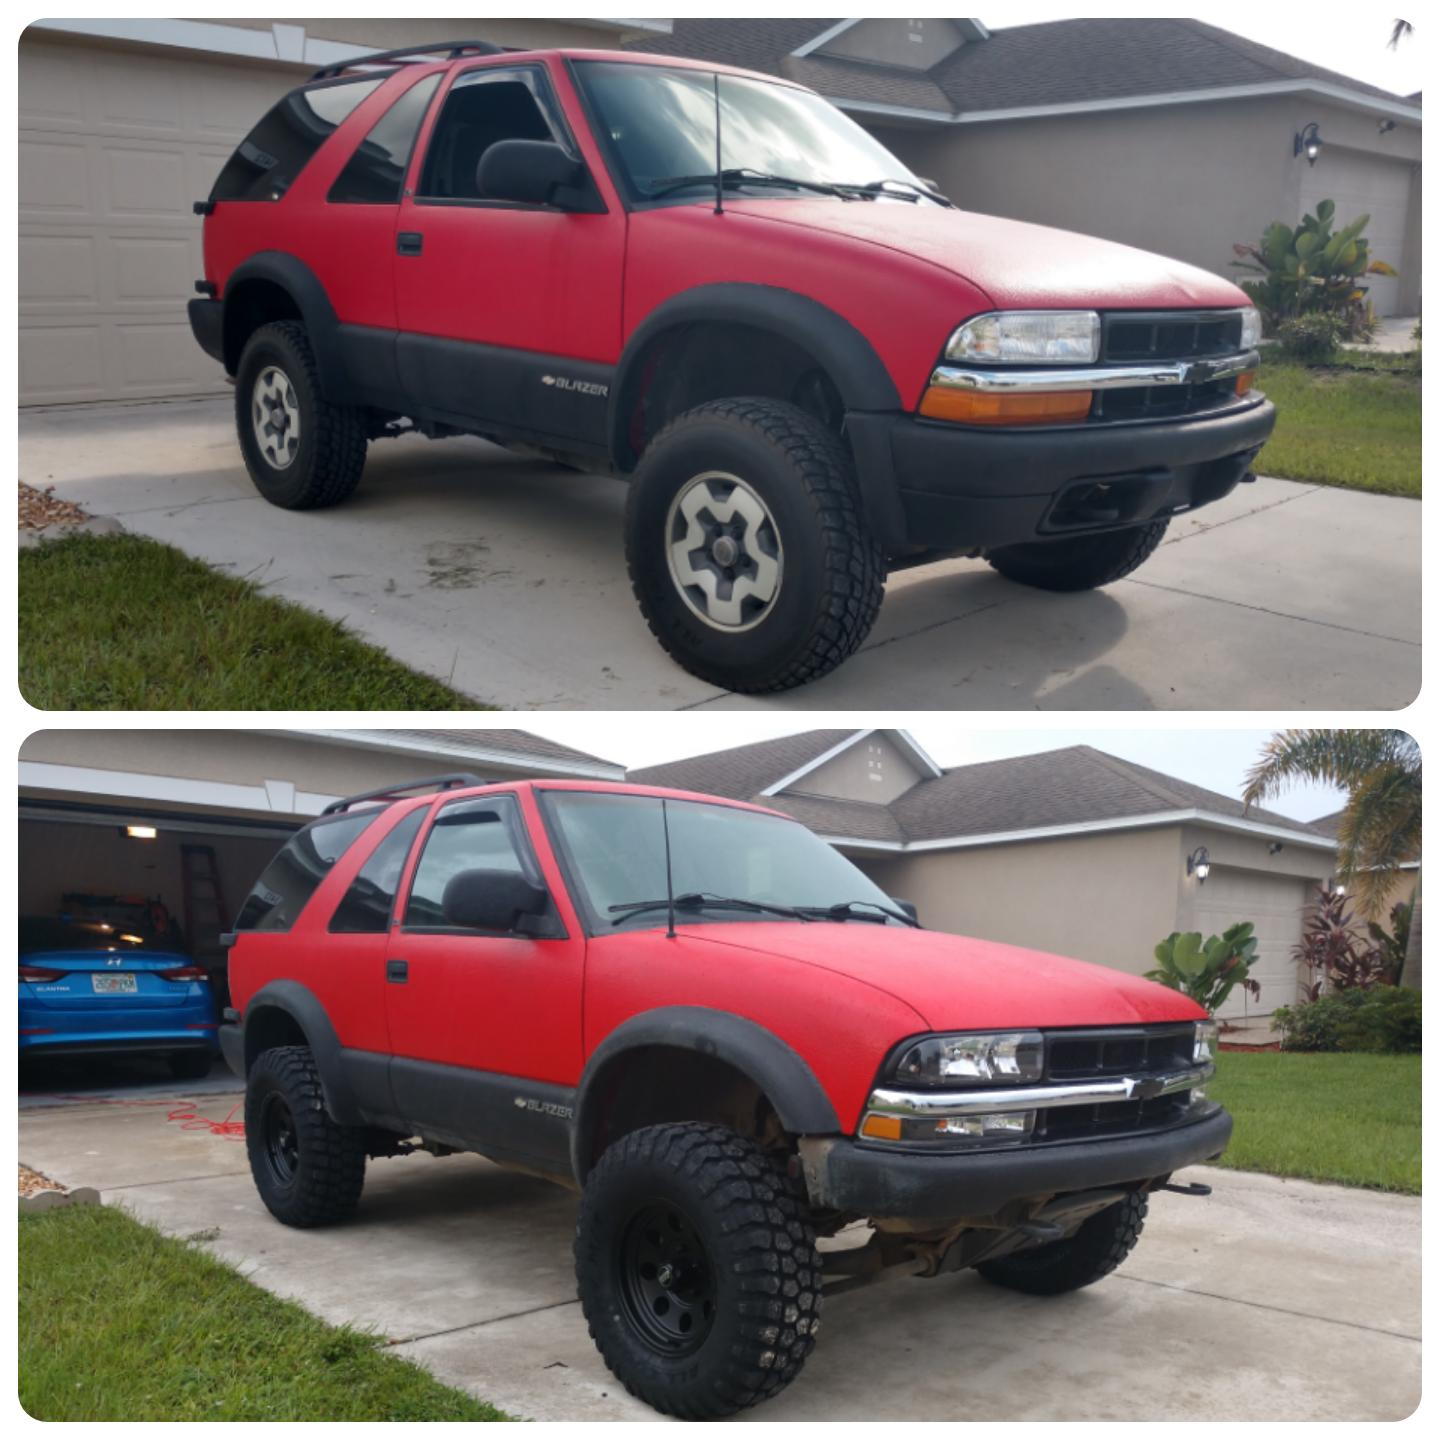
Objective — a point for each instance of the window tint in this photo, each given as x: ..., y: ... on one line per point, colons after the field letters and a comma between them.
x: 268, y: 159
x: 468, y: 835
x: 375, y: 173
x: 293, y: 876
x: 477, y: 113
x: 365, y: 910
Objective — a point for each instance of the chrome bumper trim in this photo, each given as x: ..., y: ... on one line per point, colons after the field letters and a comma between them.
x: 1109, y: 377
x: 939, y: 1104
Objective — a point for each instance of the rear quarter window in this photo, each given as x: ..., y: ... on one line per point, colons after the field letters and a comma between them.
x: 293, y: 876
x: 268, y: 159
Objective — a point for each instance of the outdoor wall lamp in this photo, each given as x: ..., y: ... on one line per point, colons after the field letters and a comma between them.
x: 1308, y: 142
x: 1197, y: 863
x: 141, y: 832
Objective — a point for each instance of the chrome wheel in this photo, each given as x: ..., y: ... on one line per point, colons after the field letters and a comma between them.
x: 724, y: 551
x: 275, y: 414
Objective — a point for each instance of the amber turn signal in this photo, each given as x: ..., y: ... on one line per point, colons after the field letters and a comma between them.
x: 1243, y: 382
x: 971, y: 407
x: 881, y: 1127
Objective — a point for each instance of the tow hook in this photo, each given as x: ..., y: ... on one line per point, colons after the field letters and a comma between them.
x: 1195, y: 1188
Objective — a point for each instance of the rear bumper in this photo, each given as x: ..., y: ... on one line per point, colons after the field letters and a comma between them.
x: 863, y: 1179
x: 944, y: 486
x: 165, y: 1042
x: 232, y: 1047
x: 207, y: 323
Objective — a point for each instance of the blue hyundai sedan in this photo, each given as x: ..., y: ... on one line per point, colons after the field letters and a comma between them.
x: 89, y: 987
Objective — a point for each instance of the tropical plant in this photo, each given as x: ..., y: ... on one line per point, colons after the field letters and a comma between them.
x: 1392, y: 942
x: 1207, y: 971
x: 1385, y: 1020
x: 1380, y: 827
x: 1334, y: 953
x: 1311, y: 267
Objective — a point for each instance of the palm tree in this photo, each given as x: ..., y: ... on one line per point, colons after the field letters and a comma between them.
x: 1402, y: 30
x: 1380, y: 827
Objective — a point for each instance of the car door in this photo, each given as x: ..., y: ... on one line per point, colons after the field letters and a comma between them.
x: 509, y: 312
x: 484, y: 1026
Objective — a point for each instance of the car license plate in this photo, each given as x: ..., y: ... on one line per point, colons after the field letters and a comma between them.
x: 113, y: 984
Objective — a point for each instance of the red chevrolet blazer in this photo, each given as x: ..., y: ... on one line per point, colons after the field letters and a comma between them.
x: 812, y: 367
x: 722, y: 1034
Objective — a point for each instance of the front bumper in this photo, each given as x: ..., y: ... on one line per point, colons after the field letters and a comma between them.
x: 944, y: 486
x: 866, y: 1179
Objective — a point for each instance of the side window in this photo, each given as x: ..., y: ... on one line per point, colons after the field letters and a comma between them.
x: 294, y: 875
x: 467, y: 835
x: 268, y: 159
x: 365, y: 910
x: 481, y: 108
x: 375, y: 173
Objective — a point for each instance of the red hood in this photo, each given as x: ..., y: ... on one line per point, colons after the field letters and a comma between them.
x: 1017, y: 265
x: 956, y: 983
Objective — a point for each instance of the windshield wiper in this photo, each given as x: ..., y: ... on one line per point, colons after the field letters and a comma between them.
x: 744, y: 176
x: 880, y: 187
x: 696, y: 900
x: 850, y: 910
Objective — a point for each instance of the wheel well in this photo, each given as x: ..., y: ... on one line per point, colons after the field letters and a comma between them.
x: 691, y: 364
x: 268, y: 1028
x: 660, y: 1085
x: 248, y: 306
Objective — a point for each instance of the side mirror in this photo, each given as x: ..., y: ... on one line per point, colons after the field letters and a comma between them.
x: 530, y: 171
x: 491, y: 900
x: 908, y: 906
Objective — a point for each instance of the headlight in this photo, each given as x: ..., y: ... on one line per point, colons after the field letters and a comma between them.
x: 1249, y: 328
x: 1028, y: 337
x: 1207, y: 1035
x: 998, y: 1059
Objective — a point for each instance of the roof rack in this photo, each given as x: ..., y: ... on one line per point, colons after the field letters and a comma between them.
x: 454, y: 50
x: 460, y: 780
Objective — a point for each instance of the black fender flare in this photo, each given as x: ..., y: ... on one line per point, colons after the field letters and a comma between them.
x: 304, y: 1008
x: 837, y: 346
x: 787, y: 1081
x: 322, y: 325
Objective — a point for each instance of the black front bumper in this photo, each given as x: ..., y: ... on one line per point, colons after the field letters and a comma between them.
x: 942, y: 486
x: 866, y: 1179
x: 207, y: 322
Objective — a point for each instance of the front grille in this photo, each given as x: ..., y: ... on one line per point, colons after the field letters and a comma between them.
x: 1128, y: 337
x: 1083, y: 1122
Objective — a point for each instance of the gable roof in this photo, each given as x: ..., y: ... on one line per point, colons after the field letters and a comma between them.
x: 1060, y: 63
x: 1077, y: 787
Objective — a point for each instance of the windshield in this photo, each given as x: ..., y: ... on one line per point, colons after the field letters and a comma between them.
x: 661, y: 124
x: 616, y: 844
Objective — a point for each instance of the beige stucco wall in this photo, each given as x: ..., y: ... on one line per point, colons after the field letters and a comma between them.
x: 872, y: 770
x: 913, y: 44
x: 1187, y: 181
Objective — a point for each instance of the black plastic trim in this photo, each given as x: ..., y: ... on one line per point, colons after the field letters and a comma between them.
x: 207, y: 324
x: 304, y: 1008
x: 303, y: 286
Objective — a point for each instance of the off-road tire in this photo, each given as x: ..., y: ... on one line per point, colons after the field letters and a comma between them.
x: 330, y: 1170
x: 1083, y: 562
x: 1088, y: 1255
x: 191, y: 1064
x: 757, y: 1235
x: 833, y: 568
x: 326, y: 468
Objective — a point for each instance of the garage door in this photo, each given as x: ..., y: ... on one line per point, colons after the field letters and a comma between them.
x: 1275, y: 905
x: 1365, y: 185
x: 114, y: 148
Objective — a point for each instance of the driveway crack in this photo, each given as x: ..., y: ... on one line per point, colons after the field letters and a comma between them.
x: 1236, y: 519
x: 479, y: 1324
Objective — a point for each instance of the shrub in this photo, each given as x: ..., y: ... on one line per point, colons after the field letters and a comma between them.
x: 1334, y: 953
x: 1385, y: 1020
x: 1312, y: 339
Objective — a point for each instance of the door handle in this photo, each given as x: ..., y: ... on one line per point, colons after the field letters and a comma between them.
x: 409, y: 242
x: 397, y: 972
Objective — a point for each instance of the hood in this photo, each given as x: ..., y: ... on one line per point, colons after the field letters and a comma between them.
x: 956, y: 983
x: 1018, y: 265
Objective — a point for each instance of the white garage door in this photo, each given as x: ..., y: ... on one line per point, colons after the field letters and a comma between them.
x: 1275, y: 905
x: 1359, y: 185
x: 114, y: 148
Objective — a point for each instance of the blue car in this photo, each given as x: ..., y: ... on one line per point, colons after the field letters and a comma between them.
x: 89, y: 987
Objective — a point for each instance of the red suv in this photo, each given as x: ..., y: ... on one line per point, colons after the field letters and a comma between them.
x: 685, y: 1009
x: 811, y: 366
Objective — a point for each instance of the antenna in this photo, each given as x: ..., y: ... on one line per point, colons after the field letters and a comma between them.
x: 669, y: 880
x: 719, y: 171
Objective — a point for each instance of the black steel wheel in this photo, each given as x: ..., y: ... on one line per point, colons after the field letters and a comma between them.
x: 666, y: 1279
x: 278, y: 1141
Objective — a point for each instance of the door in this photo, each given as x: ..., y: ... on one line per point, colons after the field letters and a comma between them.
x: 484, y: 1026
x: 509, y: 312
x: 1275, y: 904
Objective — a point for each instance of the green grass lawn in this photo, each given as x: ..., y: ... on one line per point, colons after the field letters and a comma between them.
x: 124, y: 623
x: 118, y: 1322
x: 1352, y: 1119
x: 1354, y: 428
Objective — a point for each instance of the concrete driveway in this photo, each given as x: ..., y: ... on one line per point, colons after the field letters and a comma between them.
x: 1271, y: 1300
x: 506, y: 577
